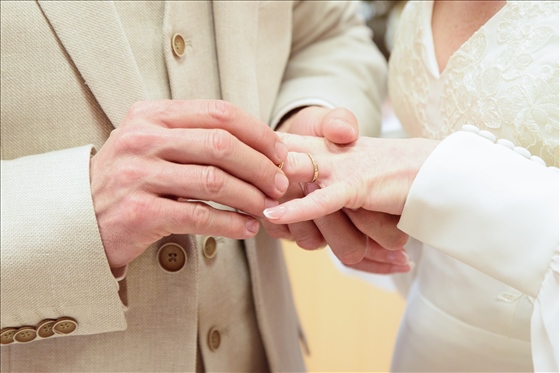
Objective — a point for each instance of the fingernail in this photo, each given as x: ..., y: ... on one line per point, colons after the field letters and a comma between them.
x: 281, y: 182
x: 343, y: 125
x: 281, y: 150
x: 310, y: 188
x: 270, y: 203
x: 252, y: 226
x: 275, y: 212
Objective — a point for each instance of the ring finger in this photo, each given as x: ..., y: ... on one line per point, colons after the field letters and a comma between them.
x: 208, y: 183
x: 221, y: 149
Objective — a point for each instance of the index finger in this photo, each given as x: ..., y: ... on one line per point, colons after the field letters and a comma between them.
x: 319, y: 203
x: 208, y: 114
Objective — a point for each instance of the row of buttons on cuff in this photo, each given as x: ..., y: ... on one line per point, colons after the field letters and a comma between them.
x: 173, y: 257
x: 508, y: 144
x: 45, y: 329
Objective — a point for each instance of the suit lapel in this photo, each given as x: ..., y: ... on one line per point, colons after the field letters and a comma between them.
x: 93, y: 37
x: 236, y: 25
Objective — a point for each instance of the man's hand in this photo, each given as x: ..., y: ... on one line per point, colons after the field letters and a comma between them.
x: 385, y: 252
x: 148, y: 178
x: 346, y: 234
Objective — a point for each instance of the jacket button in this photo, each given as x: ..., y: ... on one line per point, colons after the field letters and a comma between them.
x: 209, y: 247
x: 214, y: 339
x: 25, y: 334
x: 45, y: 328
x: 65, y: 326
x: 178, y: 45
x: 172, y: 257
x: 7, y: 335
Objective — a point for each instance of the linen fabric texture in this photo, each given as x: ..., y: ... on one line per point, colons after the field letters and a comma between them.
x: 69, y: 75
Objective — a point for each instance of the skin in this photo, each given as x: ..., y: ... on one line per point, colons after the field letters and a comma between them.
x: 354, y: 236
x: 393, y: 164
x: 454, y: 22
x: 149, y: 177
x: 346, y: 180
x: 166, y: 154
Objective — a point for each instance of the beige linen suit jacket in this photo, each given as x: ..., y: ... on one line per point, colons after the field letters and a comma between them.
x: 68, y: 79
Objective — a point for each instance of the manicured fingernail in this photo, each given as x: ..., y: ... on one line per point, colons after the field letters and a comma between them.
x: 270, y: 203
x: 281, y: 182
x: 281, y: 150
x: 275, y: 212
x: 252, y: 226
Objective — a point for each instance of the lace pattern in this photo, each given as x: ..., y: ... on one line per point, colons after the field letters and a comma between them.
x: 504, y: 79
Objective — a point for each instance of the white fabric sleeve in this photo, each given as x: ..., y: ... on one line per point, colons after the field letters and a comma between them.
x: 52, y: 258
x: 545, y: 344
x: 495, y: 209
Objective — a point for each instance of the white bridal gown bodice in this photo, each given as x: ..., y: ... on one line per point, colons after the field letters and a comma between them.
x: 503, y: 80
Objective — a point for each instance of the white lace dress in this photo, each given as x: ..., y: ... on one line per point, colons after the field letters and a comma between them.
x: 483, y: 210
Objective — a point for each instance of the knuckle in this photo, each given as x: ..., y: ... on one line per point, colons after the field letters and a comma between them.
x: 200, y: 217
x: 137, y: 139
x: 221, y: 144
x: 138, y: 109
x: 310, y: 242
x: 129, y: 174
x: 149, y: 110
x: 135, y: 208
x: 214, y: 180
x: 278, y: 231
x: 264, y: 170
x: 277, y: 234
x: 221, y: 112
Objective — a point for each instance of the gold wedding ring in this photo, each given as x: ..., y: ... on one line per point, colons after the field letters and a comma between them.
x: 315, y: 167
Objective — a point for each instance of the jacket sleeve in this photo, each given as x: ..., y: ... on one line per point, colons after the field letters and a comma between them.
x: 53, y: 263
x: 495, y: 208
x: 333, y: 61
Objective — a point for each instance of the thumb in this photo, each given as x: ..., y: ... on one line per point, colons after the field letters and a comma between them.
x: 337, y: 125
x: 340, y: 126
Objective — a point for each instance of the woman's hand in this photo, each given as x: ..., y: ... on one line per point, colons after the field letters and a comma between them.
x: 374, y: 174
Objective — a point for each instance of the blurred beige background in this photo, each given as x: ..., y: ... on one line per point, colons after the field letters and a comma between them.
x: 350, y: 325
